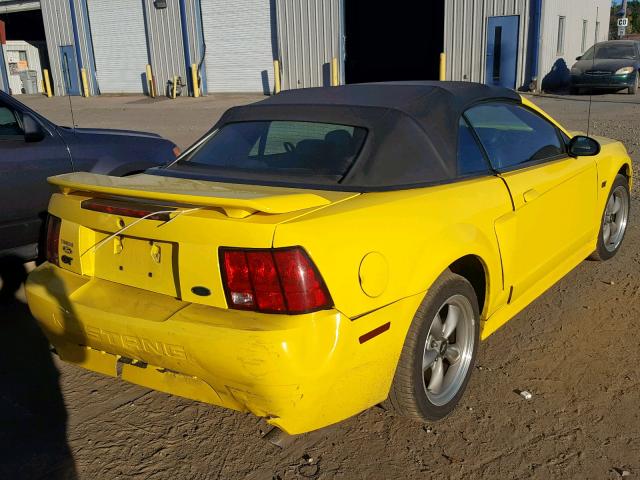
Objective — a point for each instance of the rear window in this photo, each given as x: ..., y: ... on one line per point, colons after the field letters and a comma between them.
x: 279, y: 148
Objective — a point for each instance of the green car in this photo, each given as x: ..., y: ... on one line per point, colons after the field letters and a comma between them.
x: 609, y: 65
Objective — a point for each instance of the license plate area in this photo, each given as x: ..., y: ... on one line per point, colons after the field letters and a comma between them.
x: 141, y: 263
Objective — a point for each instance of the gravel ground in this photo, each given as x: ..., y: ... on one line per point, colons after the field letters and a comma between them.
x: 576, y: 349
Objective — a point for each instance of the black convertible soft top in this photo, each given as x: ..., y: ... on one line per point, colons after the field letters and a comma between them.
x: 412, y: 128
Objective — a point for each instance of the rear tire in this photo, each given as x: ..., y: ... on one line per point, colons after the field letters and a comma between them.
x: 439, y: 351
x: 614, y: 220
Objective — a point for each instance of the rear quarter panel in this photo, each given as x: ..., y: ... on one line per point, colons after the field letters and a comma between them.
x: 417, y: 232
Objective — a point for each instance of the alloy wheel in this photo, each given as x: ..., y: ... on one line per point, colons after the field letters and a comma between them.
x: 615, y: 218
x: 448, y: 350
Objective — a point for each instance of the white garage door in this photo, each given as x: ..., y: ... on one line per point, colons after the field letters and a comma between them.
x: 119, y: 44
x: 239, y: 54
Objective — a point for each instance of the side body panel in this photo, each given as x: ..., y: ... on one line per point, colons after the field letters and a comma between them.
x: 417, y: 234
x: 612, y: 159
x: 577, y: 189
x: 555, y: 214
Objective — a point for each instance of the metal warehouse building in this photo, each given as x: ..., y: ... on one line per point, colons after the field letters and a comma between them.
x: 104, y: 46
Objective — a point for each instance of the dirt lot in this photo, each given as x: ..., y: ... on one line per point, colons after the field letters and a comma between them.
x: 577, y: 349
x: 183, y: 120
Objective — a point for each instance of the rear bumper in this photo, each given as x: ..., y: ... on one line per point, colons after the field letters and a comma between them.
x: 301, y: 372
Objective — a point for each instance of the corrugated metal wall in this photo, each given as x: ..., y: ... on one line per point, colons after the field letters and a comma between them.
x: 4, y: 76
x: 554, y: 67
x: 164, y: 34
x: 309, y: 33
x: 86, y: 48
x: 465, y: 36
x: 195, y: 37
x: 240, y: 39
x: 56, y: 16
x: 58, y: 28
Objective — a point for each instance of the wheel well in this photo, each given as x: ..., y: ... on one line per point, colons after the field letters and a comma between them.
x: 472, y: 268
x: 625, y: 170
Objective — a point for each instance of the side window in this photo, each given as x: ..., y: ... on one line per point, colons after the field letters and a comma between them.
x: 9, y: 126
x: 512, y: 135
x: 470, y: 157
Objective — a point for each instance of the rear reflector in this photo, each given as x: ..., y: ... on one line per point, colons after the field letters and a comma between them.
x: 53, y: 240
x: 374, y: 333
x: 128, y: 209
x: 280, y: 280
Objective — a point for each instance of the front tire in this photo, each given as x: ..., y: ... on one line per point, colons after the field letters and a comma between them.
x: 614, y: 220
x: 634, y: 88
x: 439, y: 351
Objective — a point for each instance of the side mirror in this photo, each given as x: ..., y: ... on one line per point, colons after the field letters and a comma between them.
x: 579, y: 57
x: 33, y: 131
x: 582, y: 146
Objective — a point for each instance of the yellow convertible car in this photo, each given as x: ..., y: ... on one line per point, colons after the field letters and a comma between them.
x: 325, y: 250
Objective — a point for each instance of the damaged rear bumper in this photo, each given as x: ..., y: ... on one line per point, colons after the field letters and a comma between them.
x: 301, y: 372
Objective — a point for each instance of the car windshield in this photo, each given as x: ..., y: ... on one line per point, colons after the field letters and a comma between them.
x: 279, y: 148
x: 611, y: 51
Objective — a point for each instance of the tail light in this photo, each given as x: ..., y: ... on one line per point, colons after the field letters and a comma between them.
x: 280, y: 280
x: 53, y: 240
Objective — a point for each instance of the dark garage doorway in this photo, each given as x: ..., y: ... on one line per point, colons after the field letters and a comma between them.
x: 28, y: 26
x: 393, y: 41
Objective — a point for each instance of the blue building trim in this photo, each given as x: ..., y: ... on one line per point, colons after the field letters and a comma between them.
x: 89, y: 38
x: 76, y: 38
x: 203, y: 48
x: 534, y: 40
x: 185, y: 43
x: 3, y: 71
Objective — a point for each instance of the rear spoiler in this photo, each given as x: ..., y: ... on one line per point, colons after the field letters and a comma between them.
x: 237, y: 201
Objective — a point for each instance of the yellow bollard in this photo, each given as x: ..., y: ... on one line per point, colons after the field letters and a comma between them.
x: 47, y: 83
x: 334, y: 72
x: 194, y: 79
x: 85, y: 84
x: 150, y: 85
x: 443, y: 67
x: 173, y: 90
x: 276, y: 76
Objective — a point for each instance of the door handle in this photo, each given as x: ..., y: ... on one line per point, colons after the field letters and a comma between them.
x: 531, y: 195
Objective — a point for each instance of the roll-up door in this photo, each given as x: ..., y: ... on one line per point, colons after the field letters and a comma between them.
x: 119, y: 44
x: 239, y: 38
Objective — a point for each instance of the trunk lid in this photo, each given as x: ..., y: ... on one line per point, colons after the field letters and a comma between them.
x: 176, y: 255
